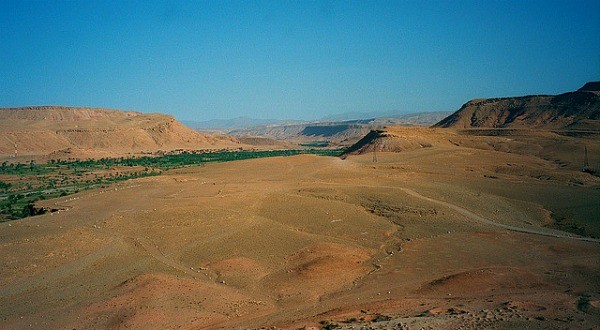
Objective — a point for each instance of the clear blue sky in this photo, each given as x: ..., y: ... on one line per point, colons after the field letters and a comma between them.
x: 201, y: 60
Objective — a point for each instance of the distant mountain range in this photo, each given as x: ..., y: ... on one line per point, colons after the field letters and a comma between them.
x: 342, y: 132
x: 225, y: 125
x: 573, y: 110
x: 229, y: 124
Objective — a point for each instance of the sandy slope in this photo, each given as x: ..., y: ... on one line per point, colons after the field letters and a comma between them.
x: 67, y: 132
x: 292, y: 242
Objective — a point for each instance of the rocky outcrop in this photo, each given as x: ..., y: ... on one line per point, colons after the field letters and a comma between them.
x: 573, y: 110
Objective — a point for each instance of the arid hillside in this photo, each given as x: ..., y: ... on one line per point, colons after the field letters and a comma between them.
x: 564, y: 149
x: 400, y: 138
x: 574, y: 110
x: 71, y: 132
x: 464, y: 233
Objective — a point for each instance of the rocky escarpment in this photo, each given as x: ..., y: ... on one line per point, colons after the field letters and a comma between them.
x: 573, y: 110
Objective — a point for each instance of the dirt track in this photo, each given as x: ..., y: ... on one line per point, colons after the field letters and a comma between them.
x: 471, y: 215
x: 536, y: 231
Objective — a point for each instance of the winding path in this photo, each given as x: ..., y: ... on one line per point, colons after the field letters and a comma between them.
x: 476, y: 217
x: 473, y: 216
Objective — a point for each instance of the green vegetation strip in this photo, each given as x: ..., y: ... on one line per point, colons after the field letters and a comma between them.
x: 21, y: 185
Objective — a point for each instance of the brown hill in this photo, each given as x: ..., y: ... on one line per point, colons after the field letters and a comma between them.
x: 88, y: 131
x: 565, y: 148
x: 399, y: 138
x: 573, y: 110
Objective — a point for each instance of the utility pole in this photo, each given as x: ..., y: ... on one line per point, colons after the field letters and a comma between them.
x: 375, y: 151
x: 586, y: 160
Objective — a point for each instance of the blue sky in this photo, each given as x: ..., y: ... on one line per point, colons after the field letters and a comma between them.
x: 200, y: 60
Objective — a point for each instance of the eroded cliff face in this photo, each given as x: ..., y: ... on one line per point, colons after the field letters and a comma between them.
x: 47, y: 129
x: 573, y: 110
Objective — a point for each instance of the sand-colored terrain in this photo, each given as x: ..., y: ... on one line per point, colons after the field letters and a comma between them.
x: 68, y: 132
x: 458, y: 234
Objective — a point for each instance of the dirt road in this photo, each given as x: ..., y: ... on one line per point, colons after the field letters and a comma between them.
x: 469, y: 214
x: 473, y: 216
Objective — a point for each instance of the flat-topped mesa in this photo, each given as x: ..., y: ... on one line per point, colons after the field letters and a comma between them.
x: 63, y: 113
x: 573, y: 110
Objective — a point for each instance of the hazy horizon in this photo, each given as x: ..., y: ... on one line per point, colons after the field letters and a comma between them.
x: 292, y: 60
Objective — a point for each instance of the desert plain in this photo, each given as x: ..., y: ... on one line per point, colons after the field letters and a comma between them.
x: 453, y: 230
